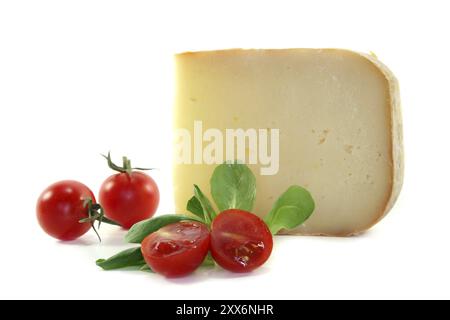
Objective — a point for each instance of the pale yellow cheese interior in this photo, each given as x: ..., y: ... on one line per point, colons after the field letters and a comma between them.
x: 335, y: 112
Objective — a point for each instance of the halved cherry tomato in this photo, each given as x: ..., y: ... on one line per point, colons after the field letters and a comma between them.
x: 60, y: 207
x: 240, y: 241
x: 176, y: 249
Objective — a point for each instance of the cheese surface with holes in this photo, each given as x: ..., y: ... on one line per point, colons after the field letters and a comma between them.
x: 339, y: 123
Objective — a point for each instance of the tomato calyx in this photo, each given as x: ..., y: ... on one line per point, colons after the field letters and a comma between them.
x: 126, y: 165
x: 96, y: 213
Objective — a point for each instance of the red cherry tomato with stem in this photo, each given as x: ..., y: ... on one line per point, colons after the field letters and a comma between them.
x: 240, y: 241
x: 176, y: 249
x: 128, y: 196
x: 60, y: 208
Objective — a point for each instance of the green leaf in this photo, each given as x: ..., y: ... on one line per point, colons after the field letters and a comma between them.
x: 128, y: 258
x: 208, y: 210
x: 142, y: 229
x: 146, y: 268
x: 194, y: 206
x: 209, y: 261
x: 291, y: 209
x: 233, y: 186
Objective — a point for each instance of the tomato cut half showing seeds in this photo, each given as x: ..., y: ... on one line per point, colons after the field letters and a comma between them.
x: 240, y: 241
x: 176, y: 249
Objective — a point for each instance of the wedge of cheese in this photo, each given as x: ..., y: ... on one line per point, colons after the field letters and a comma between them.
x: 339, y: 121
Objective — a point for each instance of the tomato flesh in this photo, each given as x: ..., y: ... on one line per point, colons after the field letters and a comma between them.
x: 240, y: 241
x: 60, y: 207
x: 128, y: 198
x: 176, y: 249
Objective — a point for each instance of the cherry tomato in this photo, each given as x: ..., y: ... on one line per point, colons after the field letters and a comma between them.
x: 128, y: 198
x: 240, y: 241
x: 60, y: 208
x: 176, y: 249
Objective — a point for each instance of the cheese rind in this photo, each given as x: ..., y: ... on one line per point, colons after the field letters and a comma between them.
x: 338, y: 113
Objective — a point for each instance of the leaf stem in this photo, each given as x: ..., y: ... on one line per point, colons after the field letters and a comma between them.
x: 109, y: 221
x: 95, y: 213
x: 126, y: 165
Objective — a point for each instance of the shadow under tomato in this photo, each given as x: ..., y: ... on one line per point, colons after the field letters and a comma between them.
x: 208, y: 273
x: 79, y: 242
x: 111, y: 236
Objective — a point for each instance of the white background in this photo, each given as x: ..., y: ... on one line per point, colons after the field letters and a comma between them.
x: 78, y: 78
